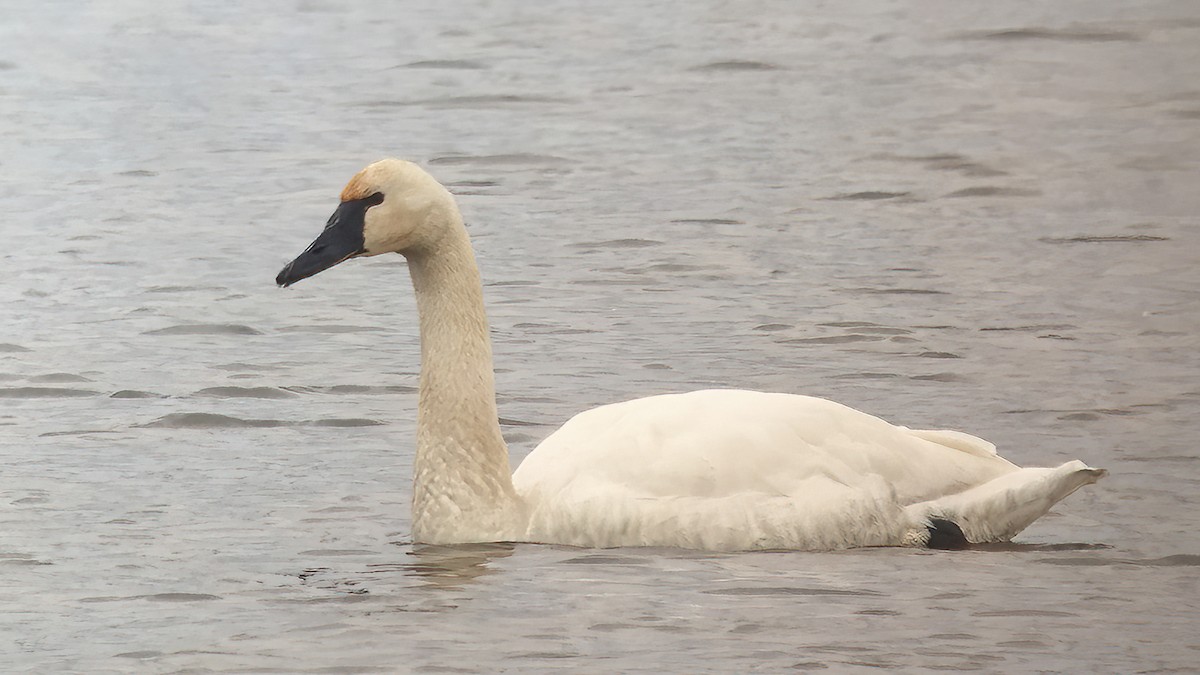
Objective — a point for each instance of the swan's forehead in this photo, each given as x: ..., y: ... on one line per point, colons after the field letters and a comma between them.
x: 359, y: 187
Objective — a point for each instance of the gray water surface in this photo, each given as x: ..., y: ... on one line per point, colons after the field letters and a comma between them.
x: 951, y: 216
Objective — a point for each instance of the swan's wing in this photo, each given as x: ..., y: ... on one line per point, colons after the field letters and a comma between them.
x: 972, y: 445
x: 720, y: 442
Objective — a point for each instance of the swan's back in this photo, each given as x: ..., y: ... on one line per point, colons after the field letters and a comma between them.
x: 733, y: 469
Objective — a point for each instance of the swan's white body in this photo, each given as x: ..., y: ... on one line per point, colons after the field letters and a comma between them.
x: 713, y: 470
x: 740, y: 470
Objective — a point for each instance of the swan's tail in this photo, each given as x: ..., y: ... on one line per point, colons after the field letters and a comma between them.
x: 1001, y: 507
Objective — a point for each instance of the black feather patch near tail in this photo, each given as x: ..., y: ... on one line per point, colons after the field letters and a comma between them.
x: 946, y: 535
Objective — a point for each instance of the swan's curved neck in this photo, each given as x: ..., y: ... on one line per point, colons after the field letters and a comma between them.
x: 462, y: 483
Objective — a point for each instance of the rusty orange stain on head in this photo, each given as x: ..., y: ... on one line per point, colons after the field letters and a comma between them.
x: 357, y: 188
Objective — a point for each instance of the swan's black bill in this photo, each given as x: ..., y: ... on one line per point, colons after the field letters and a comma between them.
x: 341, y: 240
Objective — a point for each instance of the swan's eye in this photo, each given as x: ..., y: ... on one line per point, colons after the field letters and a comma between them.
x: 374, y: 200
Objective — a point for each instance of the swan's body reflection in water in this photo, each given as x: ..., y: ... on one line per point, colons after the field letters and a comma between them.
x: 449, y: 567
x: 454, y: 566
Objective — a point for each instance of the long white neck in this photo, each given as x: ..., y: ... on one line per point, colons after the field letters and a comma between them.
x: 462, y: 483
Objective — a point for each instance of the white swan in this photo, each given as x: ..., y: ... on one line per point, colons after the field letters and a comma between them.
x: 715, y: 470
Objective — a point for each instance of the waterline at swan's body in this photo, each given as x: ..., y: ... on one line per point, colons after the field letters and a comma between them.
x: 716, y: 469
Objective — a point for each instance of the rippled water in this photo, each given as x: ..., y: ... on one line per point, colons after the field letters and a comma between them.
x: 964, y: 216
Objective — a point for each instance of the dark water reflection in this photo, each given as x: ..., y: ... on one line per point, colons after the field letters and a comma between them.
x: 454, y: 566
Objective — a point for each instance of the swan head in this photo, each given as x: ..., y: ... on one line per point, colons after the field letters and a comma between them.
x: 392, y: 206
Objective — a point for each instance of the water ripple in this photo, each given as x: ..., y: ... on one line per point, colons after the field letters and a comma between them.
x: 869, y: 195
x: 1078, y: 34
x: 446, y: 64
x: 736, y: 65
x: 199, y: 420
x: 1103, y: 239
x: 619, y: 243
x: 245, y: 392
x: 516, y: 158
x: 45, y: 392
x: 992, y: 191
x: 833, y: 339
x: 787, y: 590
x: 205, y: 329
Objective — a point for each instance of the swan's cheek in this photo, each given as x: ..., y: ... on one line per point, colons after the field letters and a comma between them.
x: 378, y: 238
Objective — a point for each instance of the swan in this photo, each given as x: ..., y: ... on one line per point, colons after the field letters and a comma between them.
x: 717, y: 470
